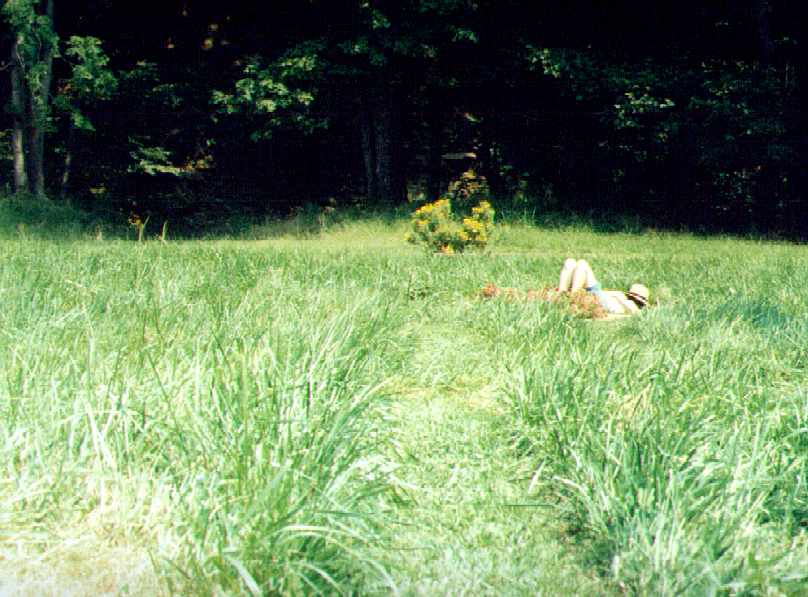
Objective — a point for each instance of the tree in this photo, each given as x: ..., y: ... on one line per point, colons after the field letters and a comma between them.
x: 34, y: 46
x: 679, y: 111
x: 359, y: 60
x: 394, y: 48
x: 90, y: 81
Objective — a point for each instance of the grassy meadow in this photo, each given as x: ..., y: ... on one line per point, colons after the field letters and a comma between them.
x: 309, y: 409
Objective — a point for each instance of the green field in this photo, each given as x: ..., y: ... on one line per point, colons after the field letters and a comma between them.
x: 334, y: 410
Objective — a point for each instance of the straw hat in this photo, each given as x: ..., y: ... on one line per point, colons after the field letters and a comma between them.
x: 639, y: 294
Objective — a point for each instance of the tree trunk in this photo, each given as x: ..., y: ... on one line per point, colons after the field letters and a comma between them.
x: 366, y: 130
x: 434, y: 167
x: 37, y: 159
x: 379, y: 124
x: 29, y: 113
x: 39, y: 99
x: 35, y: 154
x: 385, y: 147
x: 19, y: 110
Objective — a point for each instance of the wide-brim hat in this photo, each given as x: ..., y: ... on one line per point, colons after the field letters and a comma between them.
x: 639, y: 294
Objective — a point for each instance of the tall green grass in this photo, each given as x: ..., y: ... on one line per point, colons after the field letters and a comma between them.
x: 673, y: 445
x: 225, y: 416
x: 27, y: 217
x: 204, y: 405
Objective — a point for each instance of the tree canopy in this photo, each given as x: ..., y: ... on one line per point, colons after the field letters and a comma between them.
x: 685, y: 113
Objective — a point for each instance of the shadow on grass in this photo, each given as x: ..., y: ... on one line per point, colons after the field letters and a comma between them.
x: 37, y: 218
x: 26, y: 217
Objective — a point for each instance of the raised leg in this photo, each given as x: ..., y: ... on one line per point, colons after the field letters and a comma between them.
x: 565, y: 278
x: 582, y: 277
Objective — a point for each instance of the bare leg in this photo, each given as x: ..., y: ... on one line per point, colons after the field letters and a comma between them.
x: 582, y: 277
x: 565, y: 279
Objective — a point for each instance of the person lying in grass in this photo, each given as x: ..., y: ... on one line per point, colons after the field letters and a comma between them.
x: 577, y: 275
x: 580, y: 293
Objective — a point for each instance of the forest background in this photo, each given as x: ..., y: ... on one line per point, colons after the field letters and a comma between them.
x: 681, y: 114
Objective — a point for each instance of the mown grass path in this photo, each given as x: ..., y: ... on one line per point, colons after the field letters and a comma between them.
x: 465, y: 524
x: 466, y: 527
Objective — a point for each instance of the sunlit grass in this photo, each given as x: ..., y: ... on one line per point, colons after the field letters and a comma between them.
x: 331, y: 409
x: 674, y: 443
x: 196, y: 402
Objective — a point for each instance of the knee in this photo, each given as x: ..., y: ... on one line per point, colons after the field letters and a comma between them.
x: 583, y: 265
x: 570, y: 264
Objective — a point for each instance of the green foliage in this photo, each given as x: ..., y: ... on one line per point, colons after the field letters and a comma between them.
x: 36, y: 44
x: 421, y: 30
x: 91, y: 80
x: 434, y: 226
x: 681, y: 126
x: 34, y: 33
x: 150, y: 142
x: 720, y: 123
x: 628, y: 93
x: 279, y: 94
x: 151, y: 159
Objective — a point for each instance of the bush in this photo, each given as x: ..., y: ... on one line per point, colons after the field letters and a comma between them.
x: 434, y: 226
x: 27, y: 216
x: 468, y: 189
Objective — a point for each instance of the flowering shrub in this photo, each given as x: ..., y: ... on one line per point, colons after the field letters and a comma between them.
x: 468, y: 188
x: 434, y: 226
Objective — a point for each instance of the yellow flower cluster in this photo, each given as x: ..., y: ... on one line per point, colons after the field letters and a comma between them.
x: 483, y: 209
x: 436, y: 207
x: 433, y: 225
x: 475, y: 231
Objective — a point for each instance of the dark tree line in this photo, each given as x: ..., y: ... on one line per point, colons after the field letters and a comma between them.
x: 685, y: 113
